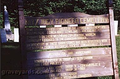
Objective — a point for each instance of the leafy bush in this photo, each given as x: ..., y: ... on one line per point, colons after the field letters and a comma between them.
x: 1, y: 20
x: 117, y: 9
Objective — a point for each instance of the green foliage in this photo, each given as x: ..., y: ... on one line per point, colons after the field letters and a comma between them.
x: 118, y: 31
x: 118, y: 50
x: 95, y: 6
x: 12, y: 11
x: 46, y: 7
x: 117, y: 9
x: 1, y: 20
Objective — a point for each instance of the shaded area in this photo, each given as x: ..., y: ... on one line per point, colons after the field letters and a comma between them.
x: 11, y: 60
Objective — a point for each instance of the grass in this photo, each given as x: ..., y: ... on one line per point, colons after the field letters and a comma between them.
x: 118, y: 50
x: 118, y: 31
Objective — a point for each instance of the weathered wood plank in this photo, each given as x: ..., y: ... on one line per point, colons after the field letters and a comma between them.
x: 98, y: 66
x: 68, y: 53
x: 66, y: 19
x: 79, y: 74
x: 113, y: 43
x: 75, y: 67
x: 68, y: 44
x: 66, y: 30
x: 67, y: 37
x: 68, y: 60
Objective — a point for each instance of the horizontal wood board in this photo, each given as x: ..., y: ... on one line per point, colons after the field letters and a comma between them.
x: 66, y: 18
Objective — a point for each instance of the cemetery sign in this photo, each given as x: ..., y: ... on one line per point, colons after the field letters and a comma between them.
x: 68, y: 52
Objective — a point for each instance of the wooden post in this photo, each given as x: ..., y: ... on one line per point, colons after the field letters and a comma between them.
x: 22, y: 36
x: 0, y: 5
x: 113, y: 41
x: 0, y: 53
x: 0, y: 42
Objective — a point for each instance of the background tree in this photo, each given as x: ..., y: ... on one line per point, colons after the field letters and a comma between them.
x: 45, y: 7
x: 12, y: 10
x: 117, y: 9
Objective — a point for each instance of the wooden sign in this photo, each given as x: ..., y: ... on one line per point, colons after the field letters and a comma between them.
x: 97, y: 57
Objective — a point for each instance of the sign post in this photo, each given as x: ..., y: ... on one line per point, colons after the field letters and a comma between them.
x: 0, y: 51
x: 113, y: 41
x: 22, y: 34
